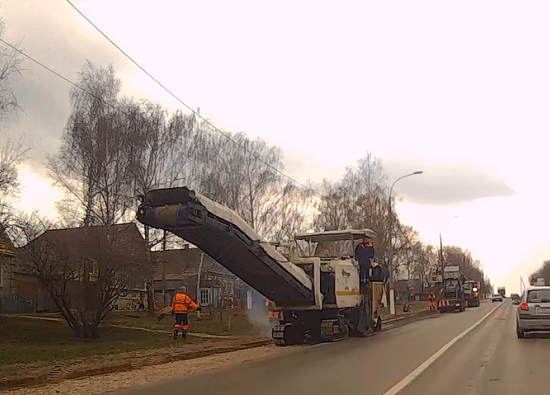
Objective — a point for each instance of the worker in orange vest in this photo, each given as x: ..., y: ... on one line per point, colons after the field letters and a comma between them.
x: 181, y: 305
x: 270, y: 306
x: 431, y: 300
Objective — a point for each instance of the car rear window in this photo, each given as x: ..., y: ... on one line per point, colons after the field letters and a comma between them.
x: 538, y: 296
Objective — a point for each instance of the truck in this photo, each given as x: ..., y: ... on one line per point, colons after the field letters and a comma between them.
x: 451, y: 295
x: 317, y: 290
x: 501, y: 291
x: 472, y: 293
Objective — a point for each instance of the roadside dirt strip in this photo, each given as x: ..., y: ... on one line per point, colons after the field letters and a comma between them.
x: 103, y: 374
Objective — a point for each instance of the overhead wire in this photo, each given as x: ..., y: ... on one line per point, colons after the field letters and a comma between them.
x: 207, y: 121
x: 196, y: 113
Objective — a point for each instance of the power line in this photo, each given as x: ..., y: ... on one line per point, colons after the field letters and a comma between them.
x: 227, y: 136
x: 39, y: 63
x: 196, y: 113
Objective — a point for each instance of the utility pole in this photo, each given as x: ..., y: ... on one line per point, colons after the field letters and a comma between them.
x: 390, y: 244
x: 199, y: 274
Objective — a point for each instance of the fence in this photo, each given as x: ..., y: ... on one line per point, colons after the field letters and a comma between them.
x: 10, y: 303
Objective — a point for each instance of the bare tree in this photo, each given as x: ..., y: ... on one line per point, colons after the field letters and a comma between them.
x: 94, y: 162
x: 28, y: 226
x: 292, y: 212
x: 164, y: 157
x: 86, y: 270
x: 244, y: 175
x: 10, y: 68
x: 11, y: 155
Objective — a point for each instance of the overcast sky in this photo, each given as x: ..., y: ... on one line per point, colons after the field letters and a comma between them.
x: 456, y: 89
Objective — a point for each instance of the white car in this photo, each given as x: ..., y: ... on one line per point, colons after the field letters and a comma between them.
x: 533, y: 314
x: 497, y: 298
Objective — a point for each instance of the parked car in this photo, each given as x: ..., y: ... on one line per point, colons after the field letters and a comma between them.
x: 497, y: 298
x: 533, y: 313
x: 515, y: 298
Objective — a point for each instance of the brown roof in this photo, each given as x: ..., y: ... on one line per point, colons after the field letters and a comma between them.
x: 6, y: 245
x: 91, y: 241
x: 183, y: 261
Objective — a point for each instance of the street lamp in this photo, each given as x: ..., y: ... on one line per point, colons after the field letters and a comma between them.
x: 390, y: 268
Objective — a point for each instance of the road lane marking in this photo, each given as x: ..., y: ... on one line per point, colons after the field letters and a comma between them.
x: 397, y: 388
x: 496, y: 337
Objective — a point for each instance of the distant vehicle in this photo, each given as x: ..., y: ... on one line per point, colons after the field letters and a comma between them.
x: 502, y: 291
x: 533, y: 313
x: 497, y: 298
x: 451, y: 296
x: 515, y: 298
x: 471, y: 291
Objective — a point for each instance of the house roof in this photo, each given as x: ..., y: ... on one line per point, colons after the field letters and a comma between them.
x: 91, y: 241
x: 6, y: 245
x: 183, y: 261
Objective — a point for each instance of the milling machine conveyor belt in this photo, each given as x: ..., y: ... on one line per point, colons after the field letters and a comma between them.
x: 228, y: 239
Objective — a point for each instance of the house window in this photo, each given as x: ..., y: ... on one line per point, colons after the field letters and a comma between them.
x: 94, y: 272
x: 205, y: 297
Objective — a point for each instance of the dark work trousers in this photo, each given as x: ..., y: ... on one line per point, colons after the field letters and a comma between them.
x: 182, y: 321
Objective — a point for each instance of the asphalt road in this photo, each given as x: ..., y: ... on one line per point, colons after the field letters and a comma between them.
x: 487, y: 359
x: 490, y: 360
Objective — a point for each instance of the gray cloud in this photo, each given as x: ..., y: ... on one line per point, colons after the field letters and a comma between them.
x: 445, y: 183
x: 52, y: 33
x: 441, y: 184
x: 304, y: 168
x: 55, y: 35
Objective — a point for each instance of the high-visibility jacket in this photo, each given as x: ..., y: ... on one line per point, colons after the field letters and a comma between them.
x: 270, y: 307
x: 182, y: 303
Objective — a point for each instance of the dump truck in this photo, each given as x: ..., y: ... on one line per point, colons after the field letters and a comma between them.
x: 501, y: 291
x: 451, y: 295
x: 318, y: 289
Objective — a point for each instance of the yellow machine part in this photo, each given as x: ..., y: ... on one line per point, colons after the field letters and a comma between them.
x: 377, y: 293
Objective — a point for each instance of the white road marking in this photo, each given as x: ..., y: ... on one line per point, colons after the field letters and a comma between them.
x: 397, y: 388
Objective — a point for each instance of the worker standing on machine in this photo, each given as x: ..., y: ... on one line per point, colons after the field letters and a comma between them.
x: 364, y: 253
x: 181, y: 305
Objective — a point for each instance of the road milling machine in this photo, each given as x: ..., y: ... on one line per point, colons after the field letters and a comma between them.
x: 317, y: 290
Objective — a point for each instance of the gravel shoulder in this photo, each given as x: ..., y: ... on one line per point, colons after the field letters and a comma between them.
x: 123, y: 380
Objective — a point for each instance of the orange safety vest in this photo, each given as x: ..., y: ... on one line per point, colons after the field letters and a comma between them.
x: 182, y: 303
x: 270, y: 313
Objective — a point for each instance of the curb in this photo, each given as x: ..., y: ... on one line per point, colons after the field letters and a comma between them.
x: 413, y: 318
x: 136, y: 328
x: 403, y: 316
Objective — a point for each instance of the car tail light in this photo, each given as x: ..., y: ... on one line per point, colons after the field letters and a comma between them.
x: 524, y: 307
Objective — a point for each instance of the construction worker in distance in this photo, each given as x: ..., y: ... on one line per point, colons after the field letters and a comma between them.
x: 181, y: 305
x: 431, y: 300
x: 271, y: 313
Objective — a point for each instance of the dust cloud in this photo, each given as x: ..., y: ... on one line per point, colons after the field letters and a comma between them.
x: 258, y: 316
